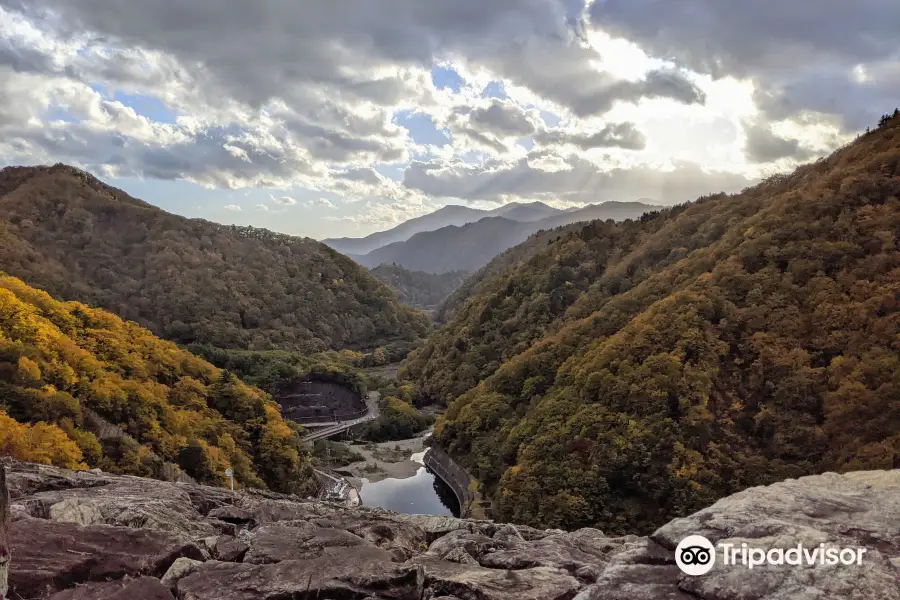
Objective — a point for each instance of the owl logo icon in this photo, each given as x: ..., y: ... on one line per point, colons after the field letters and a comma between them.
x: 695, y: 555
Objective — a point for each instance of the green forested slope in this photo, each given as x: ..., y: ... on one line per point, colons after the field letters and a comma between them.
x: 417, y: 288
x: 474, y: 284
x: 189, y: 280
x: 629, y: 373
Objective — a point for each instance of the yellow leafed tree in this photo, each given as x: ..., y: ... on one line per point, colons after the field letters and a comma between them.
x: 41, y: 443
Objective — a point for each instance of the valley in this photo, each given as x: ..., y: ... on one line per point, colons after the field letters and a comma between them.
x: 425, y: 291
x: 422, y: 300
x: 617, y: 373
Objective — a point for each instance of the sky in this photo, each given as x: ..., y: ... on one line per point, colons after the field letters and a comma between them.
x: 327, y: 118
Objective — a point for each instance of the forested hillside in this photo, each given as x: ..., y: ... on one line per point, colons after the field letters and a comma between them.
x: 629, y: 373
x: 189, y: 280
x: 500, y: 263
x: 417, y: 288
x: 88, y: 389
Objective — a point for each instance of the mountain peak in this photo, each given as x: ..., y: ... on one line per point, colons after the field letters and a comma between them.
x: 470, y: 246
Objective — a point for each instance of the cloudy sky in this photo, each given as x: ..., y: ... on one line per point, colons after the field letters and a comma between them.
x: 343, y: 117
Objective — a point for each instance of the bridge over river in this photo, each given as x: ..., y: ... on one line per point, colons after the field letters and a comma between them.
x: 327, y: 429
x: 436, y: 459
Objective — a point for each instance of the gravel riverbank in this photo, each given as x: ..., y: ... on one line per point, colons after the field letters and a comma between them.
x: 387, y: 459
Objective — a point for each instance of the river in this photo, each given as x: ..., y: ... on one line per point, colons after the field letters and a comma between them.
x: 423, y: 493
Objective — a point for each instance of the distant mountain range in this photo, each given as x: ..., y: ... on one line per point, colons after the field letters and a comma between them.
x: 470, y: 246
x: 444, y: 217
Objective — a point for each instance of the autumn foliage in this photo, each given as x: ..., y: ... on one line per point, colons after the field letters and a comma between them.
x: 78, y: 384
x: 626, y: 374
x: 39, y: 443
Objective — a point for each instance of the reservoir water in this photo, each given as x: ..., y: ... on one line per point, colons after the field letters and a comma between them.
x: 422, y: 494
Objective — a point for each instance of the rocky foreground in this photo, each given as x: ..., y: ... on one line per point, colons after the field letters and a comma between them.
x: 93, y: 536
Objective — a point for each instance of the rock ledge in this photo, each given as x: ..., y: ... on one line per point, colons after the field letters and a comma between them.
x: 90, y: 535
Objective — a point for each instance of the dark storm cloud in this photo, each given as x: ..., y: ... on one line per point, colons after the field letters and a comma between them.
x: 857, y: 102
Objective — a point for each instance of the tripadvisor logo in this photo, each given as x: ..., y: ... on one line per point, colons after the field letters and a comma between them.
x: 696, y: 555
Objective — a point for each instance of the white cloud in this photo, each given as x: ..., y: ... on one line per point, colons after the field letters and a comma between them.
x: 283, y: 200
x: 262, y: 208
x: 324, y: 203
x: 571, y: 178
x: 382, y: 215
x: 233, y: 207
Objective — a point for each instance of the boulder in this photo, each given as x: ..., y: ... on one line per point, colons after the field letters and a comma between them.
x: 132, y: 502
x: 230, y: 549
x: 182, y: 567
x: 267, y: 510
x: 207, y: 545
x: 50, y: 556
x: 508, y: 534
x: 637, y: 582
x: 354, y: 573
x: 26, y: 479
x: 875, y: 579
x: 405, y: 540
x: 145, y: 588
x: 275, y: 543
x: 91, y: 535
x: 231, y: 514
x: 206, y: 499
x: 475, y: 545
x: 438, y: 526
x: 223, y: 527
x: 862, y: 508
x: 459, y: 555
x: 468, y: 581
x: 555, y: 551
x: 641, y: 552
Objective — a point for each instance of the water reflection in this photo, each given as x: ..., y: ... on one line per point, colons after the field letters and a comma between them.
x: 422, y: 494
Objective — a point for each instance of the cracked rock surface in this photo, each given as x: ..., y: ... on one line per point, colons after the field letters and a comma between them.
x: 90, y: 535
